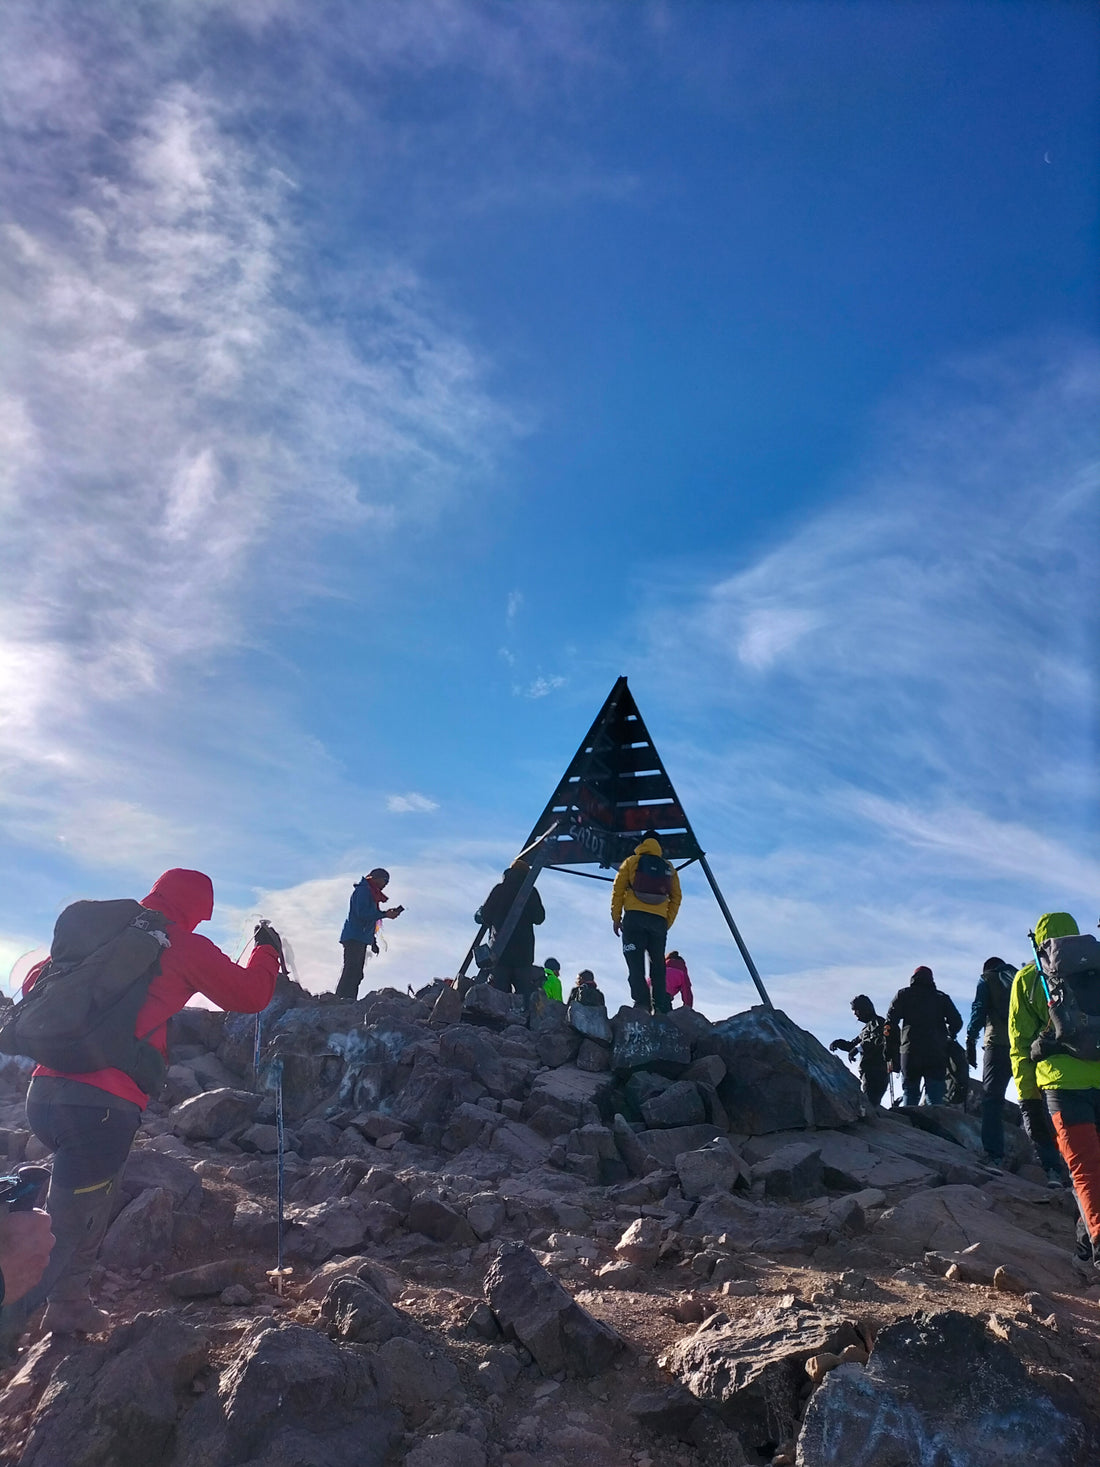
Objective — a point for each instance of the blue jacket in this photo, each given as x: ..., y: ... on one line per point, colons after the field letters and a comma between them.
x: 363, y: 915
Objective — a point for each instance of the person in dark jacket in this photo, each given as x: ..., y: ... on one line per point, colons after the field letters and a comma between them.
x: 585, y: 991
x: 89, y: 1121
x: 513, y: 969
x: 919, y: 1022
x: 869, y: 1046
x: 360, y: 931
x: 989, y: 1017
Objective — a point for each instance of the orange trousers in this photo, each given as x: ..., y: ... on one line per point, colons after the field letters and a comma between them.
x: 1076, y: 1117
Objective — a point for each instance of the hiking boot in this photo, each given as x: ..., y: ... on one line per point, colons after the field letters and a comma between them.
x: 74, y: 1317
x: 641, y: 1007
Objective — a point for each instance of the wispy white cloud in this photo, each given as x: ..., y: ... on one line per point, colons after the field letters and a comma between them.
x: 541, y: 687
x: 410, y: 803
x: 184, y: 421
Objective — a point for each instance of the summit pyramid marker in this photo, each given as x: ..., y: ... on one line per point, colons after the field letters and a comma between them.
x: 614, y: 789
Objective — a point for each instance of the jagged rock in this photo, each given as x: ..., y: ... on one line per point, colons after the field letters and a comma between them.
x: 358, y: 1313
x: 544, y: 1012
x: 179, y: 1084
x: 558, y: 1047
x: 142, y: 1232
x: 382, y: 1185
x: 202, y: 1028
x: 752, y: 1372
x: 447, y: 1008
x: 853, y: 1162
x: 648, y: 1042
x: 592, y: 1022
x: 708, y: 1069
x: 290, y: 1397
x: 563, y: 1098
x: 447, y: 1449
x: 469, y: 1125
x: 671, y: 1412
x: 715, y: 1167
x: 591, y: 1152
x: 641, y: 1243
x: 939, y: 1388
x: 116, y: 1405
x: 485, y: 1004
x: 532, y: 1307
x: 426, y: 1097
x: 255, y: 1225
x: 661, y: 1148
x: 209, y: 1116
x: 486, y: 1215
x: 211, y: 1074
x: 339, y: 1179
x: 678, y: 1105
x: 793, y: 1171
x: 780, y: 1077
x: 416, y: 1376
x: 317, y: 1138
x: 950, y: 1219
x: 316, y: 1233
x: 593, y: 1057
x: 436, y: 1219
x: 208, y: 1278
x: 376, y: 1275
x: 375, y: 1124
x: 265, y: 1140
x: 146, y: 1168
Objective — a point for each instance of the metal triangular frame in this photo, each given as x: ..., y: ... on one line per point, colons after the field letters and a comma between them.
x: 614, y: 788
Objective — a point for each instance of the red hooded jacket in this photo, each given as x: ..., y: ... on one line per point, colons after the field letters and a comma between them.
x: 191, y: 965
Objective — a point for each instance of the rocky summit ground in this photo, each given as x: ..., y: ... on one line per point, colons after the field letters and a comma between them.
x: 545, y: 1237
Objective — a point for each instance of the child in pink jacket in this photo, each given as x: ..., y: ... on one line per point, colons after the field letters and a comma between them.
x: 677, y: 980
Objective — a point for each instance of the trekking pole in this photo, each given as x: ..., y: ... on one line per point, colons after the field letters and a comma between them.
x: 256, y: 1052
x: 279, y: 1273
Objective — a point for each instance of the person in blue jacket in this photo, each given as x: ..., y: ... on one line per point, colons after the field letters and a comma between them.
x: 365, y: 912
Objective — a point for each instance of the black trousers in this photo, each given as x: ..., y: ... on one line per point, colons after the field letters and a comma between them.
x: 873, y: 1084
x: 642, y: 933
x: 90, y: 1142
x: 355, y: 955
x: 514, y: 979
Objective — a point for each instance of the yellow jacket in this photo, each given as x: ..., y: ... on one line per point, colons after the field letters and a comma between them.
x: 622, y: 894
x: 1027, y: 1018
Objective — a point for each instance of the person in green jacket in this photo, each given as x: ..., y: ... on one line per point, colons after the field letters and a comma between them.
x: 1069, y: 1085
x: 551, y: 984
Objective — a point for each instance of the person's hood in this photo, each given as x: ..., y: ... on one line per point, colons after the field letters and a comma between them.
x: 922, y: 978
x: 1054, y: 924
x: 648, y: 847
x: 185, y: 897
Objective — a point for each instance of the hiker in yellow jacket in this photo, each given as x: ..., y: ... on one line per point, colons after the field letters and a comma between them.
x: 1068, y: 1084
x: 644, y: 903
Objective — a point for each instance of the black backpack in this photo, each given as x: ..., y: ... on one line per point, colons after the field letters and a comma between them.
x: 652, y: 882
x: 1071, y: 967
x: 81, y: 1014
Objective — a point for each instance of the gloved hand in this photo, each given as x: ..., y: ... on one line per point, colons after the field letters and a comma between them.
x: 1036, y: 1117
x: 972, y: 1053
x: 374, y: 948
x: 834, y: 1046
x: 266, y: 936
x: 1041, y: 1047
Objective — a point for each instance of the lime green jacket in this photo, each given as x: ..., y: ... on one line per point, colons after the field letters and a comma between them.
x: 1027, y: 1018
x: 551, y: 984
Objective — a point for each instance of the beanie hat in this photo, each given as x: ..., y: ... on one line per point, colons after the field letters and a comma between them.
x: 586, y: 975
x: 552, y: 964
x: 922, y: 975
x: 991, y: 964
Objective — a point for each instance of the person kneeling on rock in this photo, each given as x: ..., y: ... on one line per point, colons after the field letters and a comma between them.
x: 585, y: 990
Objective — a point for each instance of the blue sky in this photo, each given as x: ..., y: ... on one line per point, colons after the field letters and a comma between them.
x: 377, y: 383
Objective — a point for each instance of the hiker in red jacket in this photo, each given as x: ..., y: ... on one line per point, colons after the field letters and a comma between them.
x: 89, y: 1121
